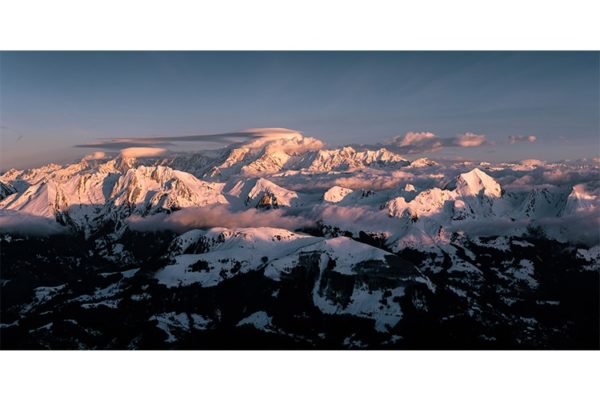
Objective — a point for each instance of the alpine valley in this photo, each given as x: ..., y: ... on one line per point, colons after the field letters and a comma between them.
x: 277, y: 242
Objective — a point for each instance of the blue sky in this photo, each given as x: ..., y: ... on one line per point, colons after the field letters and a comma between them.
x: 52, y: 101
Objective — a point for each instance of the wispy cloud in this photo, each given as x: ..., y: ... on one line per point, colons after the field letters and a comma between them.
x: 521, y: 138
x: 469, y: 139
x: 428, y: 142
x: 123, y: 143
x: 96, y: 155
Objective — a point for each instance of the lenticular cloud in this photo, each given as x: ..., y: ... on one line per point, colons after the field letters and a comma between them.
x: 141, y: 152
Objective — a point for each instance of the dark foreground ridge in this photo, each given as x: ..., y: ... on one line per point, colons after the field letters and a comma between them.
x: 58, y: 292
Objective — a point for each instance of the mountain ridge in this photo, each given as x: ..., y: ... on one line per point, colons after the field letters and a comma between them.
x: 87, y: 194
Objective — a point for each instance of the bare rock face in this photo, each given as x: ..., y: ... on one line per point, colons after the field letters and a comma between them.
x: 267, y: 201
x: 6, y: 190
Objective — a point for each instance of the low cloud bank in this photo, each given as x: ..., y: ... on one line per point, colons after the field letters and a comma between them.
x: 355, y: 218
x: 583, y: 227
x: 580, y: 228
x: 217, y: 216
x: 394, y: 179
x: 13, y: 222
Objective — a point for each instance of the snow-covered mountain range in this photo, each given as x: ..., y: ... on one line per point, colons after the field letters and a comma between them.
x: 356, y: 232
x: 295, y: 172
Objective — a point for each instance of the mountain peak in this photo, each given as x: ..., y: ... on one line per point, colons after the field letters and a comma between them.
x: 477, y: 182
x: 423, y: 162
x: 336, y: 194
x: 581, y: 198
x: 267, y: 191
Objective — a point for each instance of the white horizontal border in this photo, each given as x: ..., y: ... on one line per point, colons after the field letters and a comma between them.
x: 299, y: 25
x: 298, y: 375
